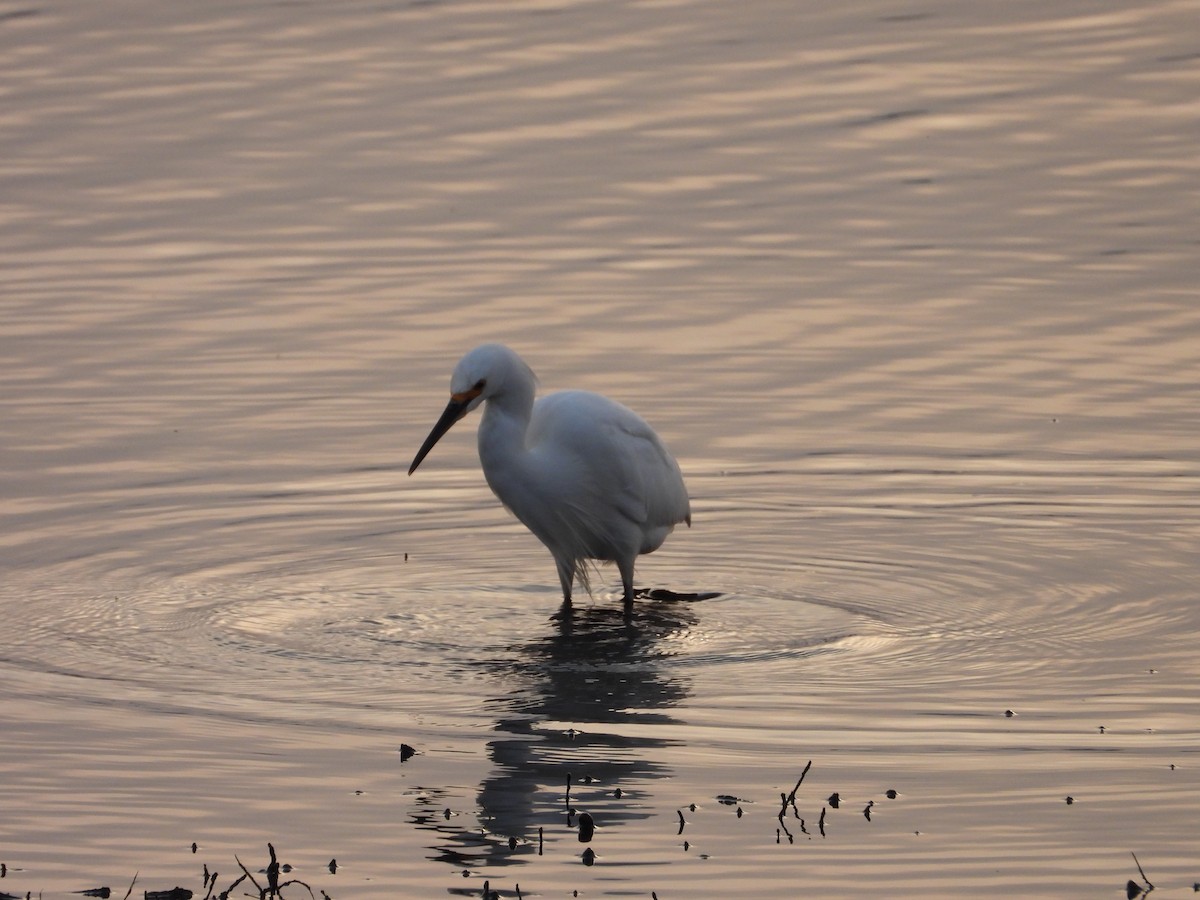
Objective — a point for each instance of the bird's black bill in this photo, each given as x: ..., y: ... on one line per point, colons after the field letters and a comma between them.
x: 454, y: 411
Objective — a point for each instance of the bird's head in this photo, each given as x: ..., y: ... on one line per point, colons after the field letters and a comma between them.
x: 486, y: 372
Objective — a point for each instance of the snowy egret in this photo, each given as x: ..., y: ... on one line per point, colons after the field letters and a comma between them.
x: 585, y: 474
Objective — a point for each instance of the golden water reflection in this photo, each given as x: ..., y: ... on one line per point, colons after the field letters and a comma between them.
x: 910, y: 293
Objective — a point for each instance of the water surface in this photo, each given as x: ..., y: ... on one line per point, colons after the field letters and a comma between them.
x: 910, y: 292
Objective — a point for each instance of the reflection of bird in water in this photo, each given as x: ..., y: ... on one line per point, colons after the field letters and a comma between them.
x: 591, y: 699
x: 605, y: 670
x: 586, y: 475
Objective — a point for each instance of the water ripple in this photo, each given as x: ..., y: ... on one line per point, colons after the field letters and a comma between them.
x: 348, y: 628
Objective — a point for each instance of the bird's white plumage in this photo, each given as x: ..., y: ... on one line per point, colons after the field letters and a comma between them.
x: 585, y: 474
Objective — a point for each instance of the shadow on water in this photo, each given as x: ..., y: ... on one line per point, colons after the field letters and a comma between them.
x: 571, y: 728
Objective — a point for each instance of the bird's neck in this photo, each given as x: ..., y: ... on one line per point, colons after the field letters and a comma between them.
x: 502, y: 433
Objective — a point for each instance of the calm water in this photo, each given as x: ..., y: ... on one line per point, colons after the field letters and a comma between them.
x: 910, y: 290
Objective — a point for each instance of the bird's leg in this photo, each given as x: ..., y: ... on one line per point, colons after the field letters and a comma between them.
x: 626, y: 569
x: 566, y: 576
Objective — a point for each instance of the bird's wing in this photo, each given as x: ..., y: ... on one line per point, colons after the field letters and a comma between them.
x: 613, y: 457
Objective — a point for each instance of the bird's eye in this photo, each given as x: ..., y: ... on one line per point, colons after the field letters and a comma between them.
x: 480, y: 384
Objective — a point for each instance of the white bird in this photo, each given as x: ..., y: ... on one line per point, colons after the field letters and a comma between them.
x: 585, y: 474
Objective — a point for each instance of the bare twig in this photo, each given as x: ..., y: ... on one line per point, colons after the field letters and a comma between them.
x: 272, y: 872
x: 299, y: 882
x: 782, y: 826
x: 240, y: 879
x: 253, y: 881
x: 1142, y: 872
x: 800, y: 781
